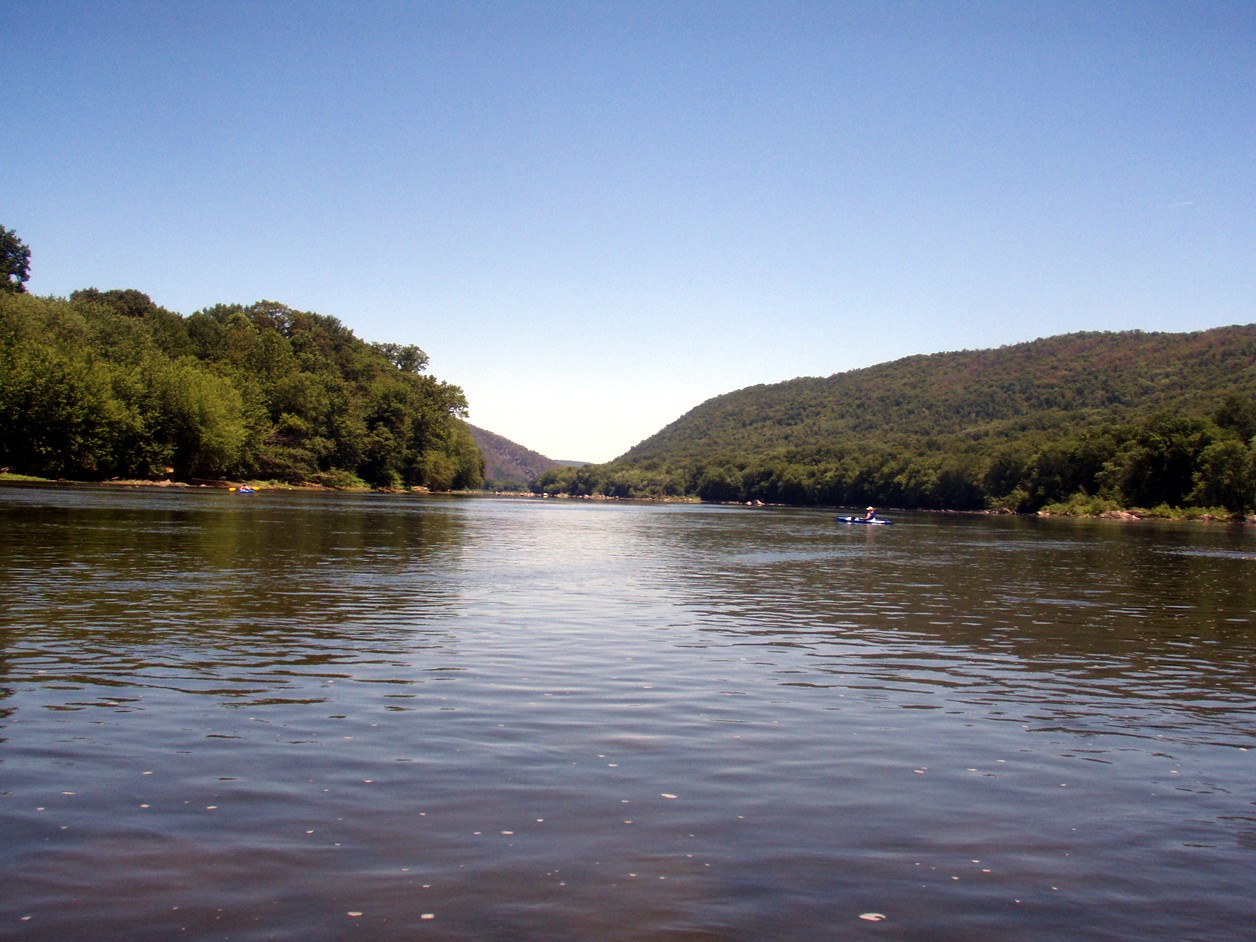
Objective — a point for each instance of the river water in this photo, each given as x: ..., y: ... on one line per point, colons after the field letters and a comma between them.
x: 324, y: 716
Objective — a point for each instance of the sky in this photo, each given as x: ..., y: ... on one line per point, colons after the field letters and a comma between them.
x: 594, y: 216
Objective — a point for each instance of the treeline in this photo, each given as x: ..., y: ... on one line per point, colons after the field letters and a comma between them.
x: 107, y: 384
x: 1169, y: 461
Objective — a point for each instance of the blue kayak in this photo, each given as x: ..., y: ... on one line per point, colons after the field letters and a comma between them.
x: 875, y: 521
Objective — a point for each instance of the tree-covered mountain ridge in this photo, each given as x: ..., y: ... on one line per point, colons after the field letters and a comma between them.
x: 509, y: 466
x: 1079, y: 379
x: 1095, y: 421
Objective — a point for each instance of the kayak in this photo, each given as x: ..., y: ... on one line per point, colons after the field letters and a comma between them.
x: 875, y: 521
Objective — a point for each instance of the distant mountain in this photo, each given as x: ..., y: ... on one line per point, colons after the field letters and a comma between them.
x: 509, y: 466
x: 1095, y: 421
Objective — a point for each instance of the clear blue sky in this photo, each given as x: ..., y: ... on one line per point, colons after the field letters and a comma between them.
x: 594, y: 216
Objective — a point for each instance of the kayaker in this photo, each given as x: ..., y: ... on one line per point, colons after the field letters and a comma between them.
x: 872, y: 512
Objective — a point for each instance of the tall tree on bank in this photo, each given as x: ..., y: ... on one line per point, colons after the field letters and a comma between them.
x: 15, y: 262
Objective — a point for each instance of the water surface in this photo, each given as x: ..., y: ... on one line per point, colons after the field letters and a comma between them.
x: 324, y: 716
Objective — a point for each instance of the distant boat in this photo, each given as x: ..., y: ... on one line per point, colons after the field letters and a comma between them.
x: 875, y: 521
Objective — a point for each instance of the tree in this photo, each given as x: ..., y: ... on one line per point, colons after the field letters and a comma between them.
x: 126, y: 301
x: 1225, y: 477
x: 1238, y: 413
x: 408, y: 358
x: 1157, y: 466
x: 15, y: 262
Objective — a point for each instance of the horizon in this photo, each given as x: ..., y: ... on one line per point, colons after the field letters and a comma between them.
x: 595, y: 217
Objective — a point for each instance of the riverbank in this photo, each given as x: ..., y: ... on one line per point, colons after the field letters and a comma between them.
x: 1097, y: 510
x: 9, y: 478
x: 1107, y: 510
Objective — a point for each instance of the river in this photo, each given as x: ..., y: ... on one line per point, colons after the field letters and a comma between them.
x: 385, y: 717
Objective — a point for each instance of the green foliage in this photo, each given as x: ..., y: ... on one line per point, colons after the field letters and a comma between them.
x: 1225, y: 476
x: 109, y: 384
x: 1238, y: 414
x: 407, y: 358
x: 1157, y: 463
x: 1082, y: 505
x: 15, y: 262
x: 1086, y: 420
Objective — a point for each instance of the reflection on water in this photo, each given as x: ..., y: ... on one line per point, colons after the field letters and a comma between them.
x: 228, y: 594
x: 1074, y: 617
x: 316, y: 716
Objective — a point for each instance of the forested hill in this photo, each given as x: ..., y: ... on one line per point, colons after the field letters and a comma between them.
x: 1075, y: 380
x: 1119, y: 419
x: 108, y: 384
x: 509, y: 466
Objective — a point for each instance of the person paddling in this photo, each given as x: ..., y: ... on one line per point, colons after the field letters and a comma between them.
x: 872, y: 512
